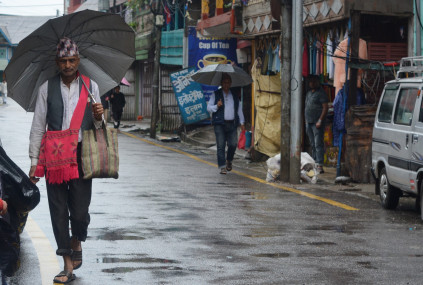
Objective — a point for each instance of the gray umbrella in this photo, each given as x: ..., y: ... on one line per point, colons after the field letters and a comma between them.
x: 212, y: 75
x: 106, y: 46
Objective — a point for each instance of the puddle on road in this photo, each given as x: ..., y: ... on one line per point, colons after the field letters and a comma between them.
x: 134, y: 259
x: 366, y: 264
x: 320, y: 243
x: 272, y: 255
x: 131, y: 269
x: 118, y: 234
x: 347, y: 229
x: 256, y: 195
x: 266, y: 232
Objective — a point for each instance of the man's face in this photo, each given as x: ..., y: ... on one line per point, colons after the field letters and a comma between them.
x: 68, y: 66
x: 226, y: 84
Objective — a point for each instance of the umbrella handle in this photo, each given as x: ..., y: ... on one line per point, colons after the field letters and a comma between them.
x: 89, y: 92
x: 92, y: 98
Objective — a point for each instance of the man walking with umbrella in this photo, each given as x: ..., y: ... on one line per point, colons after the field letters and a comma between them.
x: 227, y: 115
x: 69, y: 200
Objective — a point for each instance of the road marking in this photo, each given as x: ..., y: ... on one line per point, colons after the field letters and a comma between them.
x: 286, y: 188
x: 49, y: 265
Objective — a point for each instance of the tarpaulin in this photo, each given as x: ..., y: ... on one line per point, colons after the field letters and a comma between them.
x: 267, y: 100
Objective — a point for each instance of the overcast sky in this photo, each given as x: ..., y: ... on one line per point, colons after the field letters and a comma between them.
x: 31, y: 7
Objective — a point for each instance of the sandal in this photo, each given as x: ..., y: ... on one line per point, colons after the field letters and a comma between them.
x: 64, y: 273
x: 77, y: 256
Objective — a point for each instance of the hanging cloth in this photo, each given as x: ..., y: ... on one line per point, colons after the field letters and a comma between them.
x: 270, y: 55
x: 276, y: 66
x: 306, y: 63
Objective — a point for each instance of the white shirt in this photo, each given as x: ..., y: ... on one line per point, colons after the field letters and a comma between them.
x: 70, y: 98
x: 229, y: 107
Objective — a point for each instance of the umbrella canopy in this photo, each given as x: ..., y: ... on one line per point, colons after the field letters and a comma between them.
x: 125, y: 82
x: 212, y: 75
x: 106, y: 47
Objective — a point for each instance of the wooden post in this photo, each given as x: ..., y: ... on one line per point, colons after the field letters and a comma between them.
x: 355, y: 45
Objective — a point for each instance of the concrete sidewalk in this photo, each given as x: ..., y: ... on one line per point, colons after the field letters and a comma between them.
x: 204, y: 138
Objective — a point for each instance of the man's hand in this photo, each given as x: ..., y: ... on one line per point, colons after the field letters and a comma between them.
x: 319, y: 124
x: 4, y: 210
x: 98, y: 111
x: 219, y: 103
x: 242, y: 128
x: 32, y: 175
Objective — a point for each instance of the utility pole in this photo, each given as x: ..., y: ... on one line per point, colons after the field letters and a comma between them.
x: 296, y: 87
x: 158, y: 18
x: 286, y: 43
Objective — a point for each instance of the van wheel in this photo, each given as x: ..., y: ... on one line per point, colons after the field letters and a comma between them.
x: 389, y: 195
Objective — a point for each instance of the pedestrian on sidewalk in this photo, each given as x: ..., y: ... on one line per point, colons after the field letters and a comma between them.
x: 69, y: 200
x: 227, y: 115
x: 316, y: 108
x: 3, y: 89
x: 117, y: 99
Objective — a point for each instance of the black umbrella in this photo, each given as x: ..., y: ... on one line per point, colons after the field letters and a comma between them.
x: 106, y: 45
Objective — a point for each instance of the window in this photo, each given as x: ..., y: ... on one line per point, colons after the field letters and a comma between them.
x: 387, y: 105
x: 405, y: 106
x: 3, y: 53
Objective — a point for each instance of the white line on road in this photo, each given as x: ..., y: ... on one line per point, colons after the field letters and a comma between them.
x: 49, y: 264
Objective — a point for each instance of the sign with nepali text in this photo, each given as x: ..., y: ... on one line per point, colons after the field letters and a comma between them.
x: 189, y: 96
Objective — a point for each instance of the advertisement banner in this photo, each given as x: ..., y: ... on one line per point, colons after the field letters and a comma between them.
x: 189, y: 96
x: 205, y: 51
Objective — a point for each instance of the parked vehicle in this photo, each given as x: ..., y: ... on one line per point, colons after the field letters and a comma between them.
x: 397, y: 144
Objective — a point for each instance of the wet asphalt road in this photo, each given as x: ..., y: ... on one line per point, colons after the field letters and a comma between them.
x: 170, y: 219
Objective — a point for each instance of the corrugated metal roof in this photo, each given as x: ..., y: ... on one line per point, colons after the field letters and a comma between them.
x: 18, y: 27
x: 89, y: 4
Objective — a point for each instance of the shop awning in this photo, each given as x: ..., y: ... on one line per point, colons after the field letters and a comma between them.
x: 172, y: 47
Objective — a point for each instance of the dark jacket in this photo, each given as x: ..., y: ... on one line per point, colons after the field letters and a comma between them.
x: 218, y: 117
x: 118, y: 102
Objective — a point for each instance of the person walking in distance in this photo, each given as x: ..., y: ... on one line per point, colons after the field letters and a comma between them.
x: 227, y: 115
x: 3, y: 89
x: 316, y: 108
x: 117, y: 99
x: 69, y: 200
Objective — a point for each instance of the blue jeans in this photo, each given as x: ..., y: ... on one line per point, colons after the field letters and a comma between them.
x: 315, y: 135
x: 225, y: 134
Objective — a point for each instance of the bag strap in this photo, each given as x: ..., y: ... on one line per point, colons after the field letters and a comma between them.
x: 78, y: 114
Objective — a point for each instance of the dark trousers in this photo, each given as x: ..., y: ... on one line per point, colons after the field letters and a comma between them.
x: 70, y: 202
x: 225, y: 134
x: 315, y: 136
x: 117, y: 115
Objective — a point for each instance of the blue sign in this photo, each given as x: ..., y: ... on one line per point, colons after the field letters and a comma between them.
x: 204, y: 51
x: 189, y: 96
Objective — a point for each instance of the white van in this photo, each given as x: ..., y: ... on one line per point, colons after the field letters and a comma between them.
x: 397, y: 144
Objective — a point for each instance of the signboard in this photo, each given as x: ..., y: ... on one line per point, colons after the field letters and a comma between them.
x: 189, y: 96
x: 204, y: 51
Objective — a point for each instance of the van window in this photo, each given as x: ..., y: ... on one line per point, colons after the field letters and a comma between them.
x: 387, y: 105
x: 405, y: 106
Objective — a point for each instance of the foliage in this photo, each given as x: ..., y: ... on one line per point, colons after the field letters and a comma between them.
x: 136, y: 5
